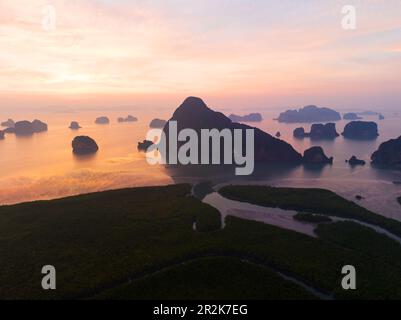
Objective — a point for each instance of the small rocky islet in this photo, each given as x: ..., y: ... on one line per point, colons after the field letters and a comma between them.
x: 102, y: 120
x: 354, y: 161
x: 74, y: 125
x: 157, y: 123
x: 8, y: 124
x: 128, y: 118
x: 144, y: 145
x: 318, y: 132
x: 25, y: 127
x: 84, y: 145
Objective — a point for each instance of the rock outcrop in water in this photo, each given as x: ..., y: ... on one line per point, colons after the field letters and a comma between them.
x: 316, y: 155
x: 23, y: 128
x: 351, y: 116
x: 300, y: 133
x: 38, y: 126
x: 127, y: 119
x: 144, y: 146
x: 309, y: 114
x: 83, y: 145
x: 27, y: 128
x: 8, y: 124
x: 324, y: 131
x: 381, y: 117
x: 102, y: 120
x: 318, y: 131
x: 74, y: 125
x: 130, y: 118
x: 1, y: 134
x: 388, y: 154
x: 354, y: 161
x: 362, y: 130
x: 157, y: 123
x: 193, y: 113
x: 252, y: 117
x: 9, y: 130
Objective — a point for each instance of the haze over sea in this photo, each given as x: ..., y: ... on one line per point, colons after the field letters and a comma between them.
x: 42, y: 166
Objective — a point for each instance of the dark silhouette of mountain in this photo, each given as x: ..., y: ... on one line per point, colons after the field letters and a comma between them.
x: 388, y: 154
x: 252, y: 117
x: 351, y: 116
x: 309, y: 114
x: 83, y: 145
x: 316, y: 155
x: 193, y: 113
x: 362, y: 130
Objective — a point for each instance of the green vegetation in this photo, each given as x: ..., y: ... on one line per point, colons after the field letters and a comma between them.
x: 313, y: 218
x: 99, y: 241
x: 202, y: 189
x: 372, y: 245
x: 363, y: 239
x: 192, y: 281
x: 319, y: 201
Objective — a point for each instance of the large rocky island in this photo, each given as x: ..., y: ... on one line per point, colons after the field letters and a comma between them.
x: 309, y: 114
x: 388, y: 154
x: 361, y: 130
x: 193, y: 113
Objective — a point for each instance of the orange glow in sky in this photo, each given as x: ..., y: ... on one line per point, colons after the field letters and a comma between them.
x: 223, y: 47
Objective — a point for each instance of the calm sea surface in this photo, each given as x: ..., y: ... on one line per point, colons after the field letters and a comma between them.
x: 43, y: 167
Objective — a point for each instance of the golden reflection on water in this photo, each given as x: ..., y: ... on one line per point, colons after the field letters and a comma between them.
x: 42, y: 166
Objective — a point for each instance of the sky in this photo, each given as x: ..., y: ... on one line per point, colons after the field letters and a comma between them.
x: 256, y: 52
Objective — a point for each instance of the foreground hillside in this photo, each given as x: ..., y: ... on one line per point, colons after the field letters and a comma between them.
x: 141, y: 243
